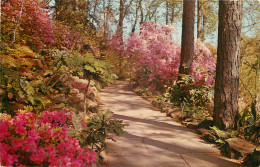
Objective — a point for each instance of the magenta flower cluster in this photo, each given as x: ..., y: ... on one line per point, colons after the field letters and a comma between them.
x: 41, y: 140
x: 80, y: 86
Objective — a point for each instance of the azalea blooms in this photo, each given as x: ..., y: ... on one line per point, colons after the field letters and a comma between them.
x: 41, y: 140
x: 157, y: 58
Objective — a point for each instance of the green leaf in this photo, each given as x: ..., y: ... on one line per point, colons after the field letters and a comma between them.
x: 108, y: 115
x: 31, y: 99
x: 76, y: 120
x: 89, y: 68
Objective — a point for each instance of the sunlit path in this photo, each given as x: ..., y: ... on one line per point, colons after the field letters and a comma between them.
x: 154, y: 140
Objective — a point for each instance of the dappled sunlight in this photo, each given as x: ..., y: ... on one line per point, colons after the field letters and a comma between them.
x: 153, y: 139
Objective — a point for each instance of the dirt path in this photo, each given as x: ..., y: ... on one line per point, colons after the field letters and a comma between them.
x: 154, y: 140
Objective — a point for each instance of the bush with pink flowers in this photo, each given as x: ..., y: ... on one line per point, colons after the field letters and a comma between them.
x: 156, y: 57
x: 27, y: 22
x: 29, y: 139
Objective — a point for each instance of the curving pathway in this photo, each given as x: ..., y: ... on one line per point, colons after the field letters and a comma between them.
x: 153, y: 140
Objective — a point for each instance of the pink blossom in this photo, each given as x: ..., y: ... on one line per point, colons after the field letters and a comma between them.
x: 83, y: 87
x: 33, y: 148
x: 7, y: 6
x: 156, y: 57
x: 75, y: 85
x: 20, y: 129
x: 38, y: 156
x: 3, y: 130
x: 12, y: 19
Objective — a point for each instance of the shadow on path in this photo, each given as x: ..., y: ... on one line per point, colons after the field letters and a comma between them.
x: 154, y: 140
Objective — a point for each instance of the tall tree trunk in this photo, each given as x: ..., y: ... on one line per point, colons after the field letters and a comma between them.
x: 147, y: 16
x: 74, y: 5
x: 120, y: 33
x: 142, y: 12
x: 173, y: 12
x: 167, y: 11
x: 228, y: 59
x: 199, y: 17
x: 136, y: 17
x: 121, y: 18
x: 187, y: 42
x: 87, y: 7
x: 95, y: 7
x: 59, y: 7
x: 203, y: 29
x: 105, y: 18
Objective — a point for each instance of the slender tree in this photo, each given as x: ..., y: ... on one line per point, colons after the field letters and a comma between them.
x: 137, y: 7
x: 187, y: 43
x: 142, y: 12
x: 121, y: 18
x: 167, y: 11
x: 120, y: 32
x: 228, y: 57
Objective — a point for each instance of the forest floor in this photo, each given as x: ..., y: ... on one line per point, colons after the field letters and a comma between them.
x: 153, y: 139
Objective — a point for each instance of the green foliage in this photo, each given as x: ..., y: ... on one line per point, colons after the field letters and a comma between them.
x: 16, y: 88
x: 96, y: 130
x: 248, y: 123
x: 248, y: 119
x: 193, y: 98
x: 185, y: 90
x: 220, y: 136
x: 144, y: 91
x: 249, y: 71
x: 83, y: 65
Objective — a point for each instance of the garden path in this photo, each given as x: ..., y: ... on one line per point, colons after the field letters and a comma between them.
x: 153, y: 140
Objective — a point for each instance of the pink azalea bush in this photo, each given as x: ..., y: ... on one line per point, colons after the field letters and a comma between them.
x: 41, y: 140
x: 28, y: 21
x: 156, y: 57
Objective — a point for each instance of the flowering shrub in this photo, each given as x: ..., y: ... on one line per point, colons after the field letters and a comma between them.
x: 30, y: 23
x: 66, y: 38
x: 157, y: 57
x: 31, y: 140
x: 80, y: 86
x: 27, y: 20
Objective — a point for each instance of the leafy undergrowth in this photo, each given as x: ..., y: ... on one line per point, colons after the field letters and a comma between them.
x: 54, y: 138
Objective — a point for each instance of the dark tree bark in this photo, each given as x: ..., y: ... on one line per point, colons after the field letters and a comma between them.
x: 136, y: 16
x: 120, y: 33
x: 187, y: 42
x: 121, y: 19
x: 105, y: 18
x: 228, y: 59
x: 142, y: 12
